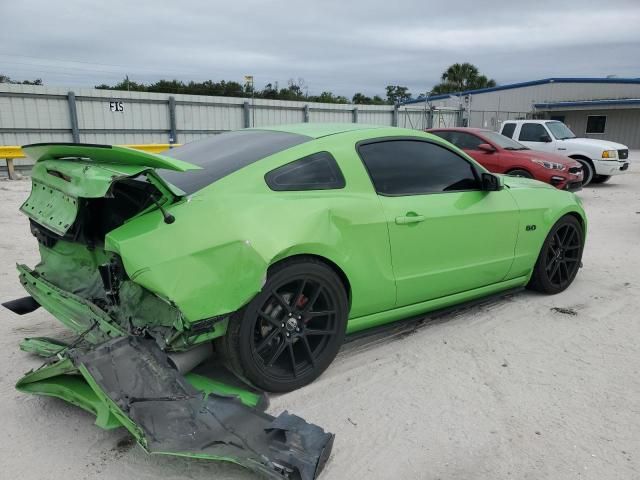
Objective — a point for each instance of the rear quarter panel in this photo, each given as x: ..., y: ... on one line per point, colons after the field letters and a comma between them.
x: 215, y: 257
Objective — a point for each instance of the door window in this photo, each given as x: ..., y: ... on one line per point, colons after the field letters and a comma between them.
x: 532, y: 132
x: 412, y: 167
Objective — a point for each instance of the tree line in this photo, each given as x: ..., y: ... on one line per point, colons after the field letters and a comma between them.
x: 7, y: 79
x: 456, y: 78
x: 296, y: 89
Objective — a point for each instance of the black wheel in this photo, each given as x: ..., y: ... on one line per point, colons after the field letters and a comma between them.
x: 520, y: 173
x: 559, y: 258
x: 292, y: 330
x: 587, y: 171
x: 600, y: 178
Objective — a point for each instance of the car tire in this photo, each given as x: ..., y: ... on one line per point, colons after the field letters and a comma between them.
x: 560, y: 257
x: 518, y: 172
x: 587, y: 171
x: 600, y: 178
x: 290, y: 332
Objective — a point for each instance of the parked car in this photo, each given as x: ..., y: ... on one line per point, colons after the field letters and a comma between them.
x: 600, y: 159
x: 500, y: 154
x: 276, y: 242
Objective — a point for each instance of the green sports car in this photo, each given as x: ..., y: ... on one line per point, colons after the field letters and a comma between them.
x: 272, y: 244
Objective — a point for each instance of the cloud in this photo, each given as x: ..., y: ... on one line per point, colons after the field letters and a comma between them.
x: 536, y: 31
x: 344, y: 46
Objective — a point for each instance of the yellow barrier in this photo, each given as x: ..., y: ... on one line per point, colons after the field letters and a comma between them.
x: 152, y: 147
x: 11, y: 152
x: 14, y: 151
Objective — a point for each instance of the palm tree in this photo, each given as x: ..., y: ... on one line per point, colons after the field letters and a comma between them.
x: 460, y: 77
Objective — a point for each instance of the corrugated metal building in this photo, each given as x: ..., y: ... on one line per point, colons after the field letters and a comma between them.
x: 607, y: 108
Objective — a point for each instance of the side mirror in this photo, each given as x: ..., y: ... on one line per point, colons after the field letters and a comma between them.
x: 545, y: 138
x: 491, y: 182
x: 485, y: 147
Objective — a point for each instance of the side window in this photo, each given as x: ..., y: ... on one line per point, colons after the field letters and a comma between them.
x: 465, y: 140
x: 532, y: 132
x: 314, y: 172
x: 596, y: 123
x: 410, y: 167
x: 508, y: 129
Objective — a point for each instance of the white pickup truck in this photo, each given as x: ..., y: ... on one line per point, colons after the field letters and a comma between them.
x: 600, y: 159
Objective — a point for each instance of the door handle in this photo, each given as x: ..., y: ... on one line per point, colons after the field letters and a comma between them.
x: 561, y: 148
x: 407, y: 219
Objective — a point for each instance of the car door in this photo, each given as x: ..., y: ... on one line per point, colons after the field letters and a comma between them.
x: 446, y: 234
x: 536, y: 136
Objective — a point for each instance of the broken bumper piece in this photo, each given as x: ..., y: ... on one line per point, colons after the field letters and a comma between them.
x: 129, y: 381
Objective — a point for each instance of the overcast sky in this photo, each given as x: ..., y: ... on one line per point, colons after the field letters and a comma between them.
x: 344, y: 46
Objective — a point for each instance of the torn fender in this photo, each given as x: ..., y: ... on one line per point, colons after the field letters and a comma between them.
x: 129, y: 381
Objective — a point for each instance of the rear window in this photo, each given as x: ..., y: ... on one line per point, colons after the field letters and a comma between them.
x: 508, y: 129
x: 225, y: 153
x: 314, y: 172
x: 463, y: 140
x: 444, y: 135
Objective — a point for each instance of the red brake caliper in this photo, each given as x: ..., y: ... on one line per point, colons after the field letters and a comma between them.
x: 302, y: 301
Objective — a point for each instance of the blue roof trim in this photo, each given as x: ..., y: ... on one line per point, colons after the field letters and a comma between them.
x: 527, y: 84
x: 590, y: 103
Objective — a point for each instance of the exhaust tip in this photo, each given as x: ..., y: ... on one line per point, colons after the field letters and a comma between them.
x: 184, y: 362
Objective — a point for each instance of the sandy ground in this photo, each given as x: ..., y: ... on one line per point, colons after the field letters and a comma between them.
x: 508, y: 389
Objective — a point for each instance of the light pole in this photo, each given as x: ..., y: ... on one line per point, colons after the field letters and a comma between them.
x: 248, y: 82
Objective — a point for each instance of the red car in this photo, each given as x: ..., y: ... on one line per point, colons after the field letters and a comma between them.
x: 500, y: 154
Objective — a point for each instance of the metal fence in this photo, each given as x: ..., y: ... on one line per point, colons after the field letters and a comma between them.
x: 33, y: 114
x: 423, y: 118
x: 492, y: 119
x: 30, y: 114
